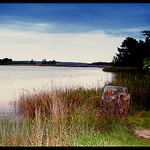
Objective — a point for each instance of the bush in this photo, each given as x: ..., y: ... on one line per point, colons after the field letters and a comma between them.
x: 146, y: 65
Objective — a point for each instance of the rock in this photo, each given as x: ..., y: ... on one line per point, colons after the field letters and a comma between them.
x: 115, y: 100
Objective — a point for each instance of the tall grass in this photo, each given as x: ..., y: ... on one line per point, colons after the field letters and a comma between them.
x: 121, y: 69
x: 138, y: 86
x: 43, y: 132
x: 70, y: 117
x: 137, y: 82
x: 57, y: 103
x: 54, y: 118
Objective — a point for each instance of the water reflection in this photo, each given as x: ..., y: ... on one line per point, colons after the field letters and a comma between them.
x: 15, y: 79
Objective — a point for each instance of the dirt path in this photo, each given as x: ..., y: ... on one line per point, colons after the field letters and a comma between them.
x: 143, y: 132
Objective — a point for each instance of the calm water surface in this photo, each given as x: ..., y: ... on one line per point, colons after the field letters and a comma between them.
x: 16, y: 79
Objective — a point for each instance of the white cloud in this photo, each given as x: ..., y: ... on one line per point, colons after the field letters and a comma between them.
x: 16, y: 25
x: 79, y: 47
x: 128, y: 32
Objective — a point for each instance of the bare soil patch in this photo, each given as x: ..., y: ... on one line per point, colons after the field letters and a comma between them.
x: 143, y: 132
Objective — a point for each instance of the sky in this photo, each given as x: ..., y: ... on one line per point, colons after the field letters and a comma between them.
x: 69, y: 32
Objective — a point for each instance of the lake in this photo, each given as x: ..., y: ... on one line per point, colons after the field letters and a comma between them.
x: 14, y: 80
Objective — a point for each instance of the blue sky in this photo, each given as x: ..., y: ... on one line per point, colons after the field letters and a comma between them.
x: 78, y: 32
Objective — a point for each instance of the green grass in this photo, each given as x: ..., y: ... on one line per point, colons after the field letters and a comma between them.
x: 140, y: 120
x: 138, y: 86
x: 70, y: 117
x: 39, y: 132
x: 120, y: 136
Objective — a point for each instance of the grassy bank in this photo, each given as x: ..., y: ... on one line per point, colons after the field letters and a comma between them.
x: 120, y: 69
x: 138, y: 85
x: 70, y: 117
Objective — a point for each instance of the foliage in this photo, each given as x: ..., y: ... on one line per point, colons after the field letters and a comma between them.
x: 32, y: 62
x: 146, y: 32
x: 133, y: 52
x: 101, y: 63
x: 20, y: 62
x: 52, y: 62
x: 44, y: 61
x: 5, y: 61
x: 48, y: 62
x: 146, y: 65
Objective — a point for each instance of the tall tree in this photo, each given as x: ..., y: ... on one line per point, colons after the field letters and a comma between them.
x: 147, y: 42
x: 127, y: 55
x: 132, y: 52
x: 32, y: 62
x: 5, y: 61
x: 44, y: 61
x: 147, y: 33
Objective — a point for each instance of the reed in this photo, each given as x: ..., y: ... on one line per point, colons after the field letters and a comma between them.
x: 120, y: 69
x: 138, y: 86
x: 54, y: 118
x: 51, y: 118
x: 57, y: 103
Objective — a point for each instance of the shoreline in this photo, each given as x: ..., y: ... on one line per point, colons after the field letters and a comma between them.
x: 99, y: 66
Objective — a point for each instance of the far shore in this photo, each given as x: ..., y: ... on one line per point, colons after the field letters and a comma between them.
x: 100, y: 66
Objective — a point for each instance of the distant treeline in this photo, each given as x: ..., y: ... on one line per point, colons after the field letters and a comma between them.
x: 101, y: 63
x: 44, y: 61
x: 7, y: 61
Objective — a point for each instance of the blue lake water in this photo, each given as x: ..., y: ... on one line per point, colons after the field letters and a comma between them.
x: 16, y: 79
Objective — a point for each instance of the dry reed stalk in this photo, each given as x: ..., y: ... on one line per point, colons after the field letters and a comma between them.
x: 59, y: 109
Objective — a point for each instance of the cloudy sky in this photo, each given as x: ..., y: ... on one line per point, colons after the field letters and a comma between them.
x: 76, y: 32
